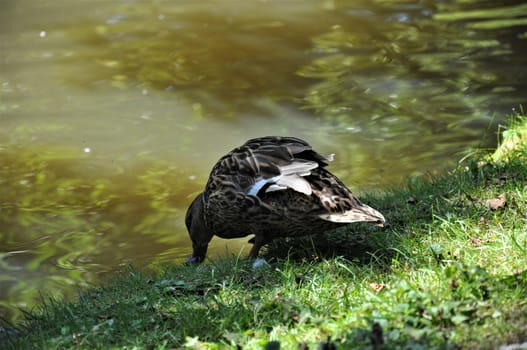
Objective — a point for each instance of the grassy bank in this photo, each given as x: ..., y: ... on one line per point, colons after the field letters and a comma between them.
x: 449, y: 271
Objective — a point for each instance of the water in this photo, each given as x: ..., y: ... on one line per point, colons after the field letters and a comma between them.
x: 112, y: 115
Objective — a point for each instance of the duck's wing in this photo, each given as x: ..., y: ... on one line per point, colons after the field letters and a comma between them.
x: 268, y: 164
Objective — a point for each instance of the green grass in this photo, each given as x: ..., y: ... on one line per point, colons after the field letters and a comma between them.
x: 448, y: 272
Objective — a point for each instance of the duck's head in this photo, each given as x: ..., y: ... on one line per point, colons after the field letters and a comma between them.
x: 197, y: 229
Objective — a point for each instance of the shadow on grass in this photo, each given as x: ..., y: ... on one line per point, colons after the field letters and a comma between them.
x: 410, y: 211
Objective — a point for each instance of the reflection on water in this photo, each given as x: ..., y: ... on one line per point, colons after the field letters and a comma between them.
x: 112, y: 115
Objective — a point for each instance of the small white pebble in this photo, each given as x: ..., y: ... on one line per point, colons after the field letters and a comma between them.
x: 87, y: 149
x: 42, y: 34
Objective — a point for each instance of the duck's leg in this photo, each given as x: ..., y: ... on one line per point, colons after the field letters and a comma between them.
x: 199, y: 248
x: 258, y: 241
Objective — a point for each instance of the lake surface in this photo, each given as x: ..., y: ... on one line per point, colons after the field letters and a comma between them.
x: 112, y: 113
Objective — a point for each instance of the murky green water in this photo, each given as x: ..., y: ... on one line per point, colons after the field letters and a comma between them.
x: 111, y: 115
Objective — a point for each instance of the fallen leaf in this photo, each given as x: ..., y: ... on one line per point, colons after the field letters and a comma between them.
x: 496, y: 203
x: 518, y: 271
x: 377, y: 287
x: 476, y: 241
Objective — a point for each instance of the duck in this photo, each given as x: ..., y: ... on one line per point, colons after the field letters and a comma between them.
x: 271, y: 187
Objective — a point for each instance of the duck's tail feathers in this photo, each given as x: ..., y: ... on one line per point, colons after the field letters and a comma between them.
x: 363, y: 213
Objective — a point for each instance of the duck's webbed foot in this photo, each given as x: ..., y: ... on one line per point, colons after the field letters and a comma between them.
x: 198, y: 254
x: 191, y: 260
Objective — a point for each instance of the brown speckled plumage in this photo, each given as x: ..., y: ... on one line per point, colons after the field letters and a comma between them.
x: 271, y: 187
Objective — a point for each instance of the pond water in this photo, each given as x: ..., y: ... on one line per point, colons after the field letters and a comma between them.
x: 112, y: 114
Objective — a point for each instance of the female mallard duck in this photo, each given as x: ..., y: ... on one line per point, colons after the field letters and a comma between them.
x: 271, y: 187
